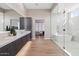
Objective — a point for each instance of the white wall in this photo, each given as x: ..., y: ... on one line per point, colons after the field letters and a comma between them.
x: 41, y: 14
x: 1, y: 20
x: 74, y: 22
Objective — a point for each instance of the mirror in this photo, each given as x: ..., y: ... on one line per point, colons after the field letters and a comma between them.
x: 12, y: 19
x: 15, y: 23
x: 1, y: 20
x: 8, y: 17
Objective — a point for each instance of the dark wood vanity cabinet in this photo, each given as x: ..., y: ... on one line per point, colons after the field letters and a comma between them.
x: 26, y: 23
x: 13, y: 48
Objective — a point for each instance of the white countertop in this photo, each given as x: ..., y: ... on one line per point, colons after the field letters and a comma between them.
x: 6, y: 40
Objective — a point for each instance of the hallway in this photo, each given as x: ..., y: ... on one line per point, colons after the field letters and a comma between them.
x: 42, y: 47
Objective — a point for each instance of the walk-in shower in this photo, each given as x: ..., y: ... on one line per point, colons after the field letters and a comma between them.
x: 65, y: 30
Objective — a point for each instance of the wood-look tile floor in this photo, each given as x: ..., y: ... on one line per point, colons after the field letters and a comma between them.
x: 42, y: 47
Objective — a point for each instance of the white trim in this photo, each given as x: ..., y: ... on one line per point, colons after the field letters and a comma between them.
x: 33, y: 38
x: 67, y: 52
x: 47, y: 38
x: 44, y: 38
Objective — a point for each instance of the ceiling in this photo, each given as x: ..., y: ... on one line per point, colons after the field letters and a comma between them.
x: 4, y: 6
x: 38, y: 5
x: 30, y: 6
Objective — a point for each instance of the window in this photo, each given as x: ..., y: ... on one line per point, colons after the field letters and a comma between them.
x: 75, y: 13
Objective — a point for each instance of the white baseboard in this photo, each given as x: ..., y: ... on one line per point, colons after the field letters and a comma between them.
x: 44, y: 38
x: 33, y: 38
x: 47, y: 38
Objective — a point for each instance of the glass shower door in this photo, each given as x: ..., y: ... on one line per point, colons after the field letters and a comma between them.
x: 58, y: 28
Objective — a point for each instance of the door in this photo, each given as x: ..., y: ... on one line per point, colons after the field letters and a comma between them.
x: 39, y: 28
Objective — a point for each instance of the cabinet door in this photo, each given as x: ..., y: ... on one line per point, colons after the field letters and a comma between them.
x: 22, y: 25
x: 8, y: 50
x: 19, y: 45
x: 29, y: 23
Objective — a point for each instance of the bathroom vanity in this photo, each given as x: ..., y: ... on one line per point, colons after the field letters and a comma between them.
x: 10, y: 45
